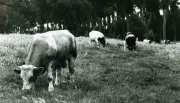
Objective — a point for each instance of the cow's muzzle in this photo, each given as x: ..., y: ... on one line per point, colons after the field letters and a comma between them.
x: 27, y: 86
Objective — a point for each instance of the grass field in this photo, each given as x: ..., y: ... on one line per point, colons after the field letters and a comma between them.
x: 103, y: 75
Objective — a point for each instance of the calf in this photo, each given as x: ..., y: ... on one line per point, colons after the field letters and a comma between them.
x: 49, y: 52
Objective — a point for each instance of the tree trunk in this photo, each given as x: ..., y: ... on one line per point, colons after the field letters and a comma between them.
x: 175, y: 31
x: 164, y: 23
x: 128, y: 24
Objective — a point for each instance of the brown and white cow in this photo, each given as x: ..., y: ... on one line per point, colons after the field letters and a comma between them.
x: 48, y: 52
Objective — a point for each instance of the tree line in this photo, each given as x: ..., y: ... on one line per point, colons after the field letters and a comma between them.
x: 152, y: 19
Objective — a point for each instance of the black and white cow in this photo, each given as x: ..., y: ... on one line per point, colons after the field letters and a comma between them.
x: 165, y: 41
x: 97, y: 37
x: 48, y: 52
x: 130, y: 41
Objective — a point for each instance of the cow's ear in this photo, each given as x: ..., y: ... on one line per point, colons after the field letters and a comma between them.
x: 39, y: 68
x: 18, y: 71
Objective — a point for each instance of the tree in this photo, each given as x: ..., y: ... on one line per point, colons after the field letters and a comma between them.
x: 3, y: 15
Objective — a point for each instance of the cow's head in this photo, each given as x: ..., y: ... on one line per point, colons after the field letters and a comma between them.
x: 29, y: 74
x: 102, y: 41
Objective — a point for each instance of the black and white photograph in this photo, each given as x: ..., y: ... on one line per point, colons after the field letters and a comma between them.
x: 89, y: 51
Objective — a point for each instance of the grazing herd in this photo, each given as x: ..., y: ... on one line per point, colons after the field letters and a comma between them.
x: 51, y: 51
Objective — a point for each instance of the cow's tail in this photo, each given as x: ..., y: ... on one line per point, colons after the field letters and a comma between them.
x: 74, y: 51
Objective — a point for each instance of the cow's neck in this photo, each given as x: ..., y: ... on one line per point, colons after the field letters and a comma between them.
x: 32, y: 59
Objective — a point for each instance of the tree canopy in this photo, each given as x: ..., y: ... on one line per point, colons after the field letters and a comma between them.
x: 113, y: 17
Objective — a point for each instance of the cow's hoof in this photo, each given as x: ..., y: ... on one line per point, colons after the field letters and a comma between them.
x: 71, y: 79
x: 56, y: 83
x: 50, y: 89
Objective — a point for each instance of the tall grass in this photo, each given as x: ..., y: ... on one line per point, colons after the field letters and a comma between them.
x: 103, y: 75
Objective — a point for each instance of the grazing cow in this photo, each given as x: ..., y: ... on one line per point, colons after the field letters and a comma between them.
x: 130, y: 41
x: 165, y: 42
x: 147, y: 41
x: 97, y: 37
x: 48, y: 52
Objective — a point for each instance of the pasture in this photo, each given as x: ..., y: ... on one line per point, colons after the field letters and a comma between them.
x: 103, y: 75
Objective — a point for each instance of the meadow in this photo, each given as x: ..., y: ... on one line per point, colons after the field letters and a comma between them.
x: 103, y: 75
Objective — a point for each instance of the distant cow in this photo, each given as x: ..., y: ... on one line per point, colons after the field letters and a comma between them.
x: 97, y: 37
x: 130, y: 41
x: 147, y: 41
x: 49, y: 52
x: 166, y: 41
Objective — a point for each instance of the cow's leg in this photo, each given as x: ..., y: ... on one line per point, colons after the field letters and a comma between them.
x: 124, y: 45
x: 97, y: 42
x: 71, y: 68
x: 71, y: 65
x: 58, y: 72
x: 50, y: 77
x: 91, y: 42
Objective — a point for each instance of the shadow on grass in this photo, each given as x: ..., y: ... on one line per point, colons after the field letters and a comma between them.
x: 13, y: 81
x: 81, y: 82
x: 86, y: 84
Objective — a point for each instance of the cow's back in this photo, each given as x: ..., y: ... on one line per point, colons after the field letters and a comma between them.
x: 95, y: 34
x: 66, y: 44
x: 53, y: 45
